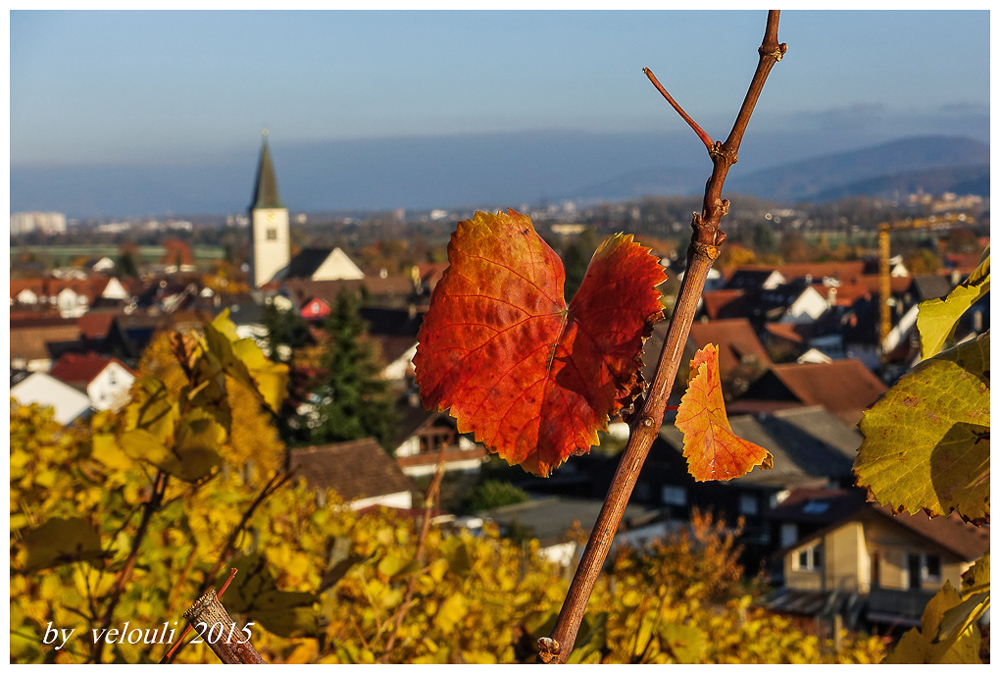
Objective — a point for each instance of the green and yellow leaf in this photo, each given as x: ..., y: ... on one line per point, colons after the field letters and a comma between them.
x: 936, y: 318
x: 927, y: 440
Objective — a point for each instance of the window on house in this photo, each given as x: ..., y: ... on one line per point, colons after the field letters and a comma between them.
x: 913, y: 567
x: 748, y: 504
x: 112, y: 379
x: 921, y: 568
x: 810, y: 559
x: 789, y: 534
x: 272, y: 234
x: 932, y: 567
x: 674, y: 495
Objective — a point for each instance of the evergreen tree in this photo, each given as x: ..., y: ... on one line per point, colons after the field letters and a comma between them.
x: 354, y: 402
x: 284, y: 329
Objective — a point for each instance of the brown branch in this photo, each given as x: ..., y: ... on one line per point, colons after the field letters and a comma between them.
x: 187, y: 630
x: 175, y: 593
x: 230, y: 647
x: 645, y: 426
x: 273, y: 485
x: 151, y: 507
x: 429, y: 501
x: 705, y: 138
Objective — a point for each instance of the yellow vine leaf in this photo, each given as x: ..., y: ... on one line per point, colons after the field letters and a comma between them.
x: 713, y: 451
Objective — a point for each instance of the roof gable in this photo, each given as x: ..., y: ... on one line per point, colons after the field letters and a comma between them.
x: 73, y: 368
x: 322, y: 264
x: 337, y: 265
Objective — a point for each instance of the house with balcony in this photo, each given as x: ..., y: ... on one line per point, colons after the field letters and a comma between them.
x: 872, y: 567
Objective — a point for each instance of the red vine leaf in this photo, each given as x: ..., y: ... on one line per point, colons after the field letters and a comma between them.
x: 713, y: 451
x: 533, y: 378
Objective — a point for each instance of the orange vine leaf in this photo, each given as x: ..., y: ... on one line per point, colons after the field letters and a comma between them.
x: 533, y: 378
x: 713, y: 451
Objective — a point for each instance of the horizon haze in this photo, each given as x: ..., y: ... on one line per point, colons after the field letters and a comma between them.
x: 399, y: 109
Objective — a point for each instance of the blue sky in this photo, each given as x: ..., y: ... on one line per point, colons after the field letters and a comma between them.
x: 169, y: 86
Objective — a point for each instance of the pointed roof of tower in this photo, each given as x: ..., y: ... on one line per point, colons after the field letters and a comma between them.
x: 266, y: 193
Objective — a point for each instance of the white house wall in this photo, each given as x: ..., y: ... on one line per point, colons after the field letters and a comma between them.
x: 449, y: 467
x: 109, y: 390
x: 402, y: 500
x: 67, y: 402
x: 337, y: 266
x: 115, y: 290
x: 397, y: 369
x: 809, y: 306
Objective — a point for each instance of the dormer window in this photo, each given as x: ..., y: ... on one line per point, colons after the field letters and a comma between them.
x: 815, y: 507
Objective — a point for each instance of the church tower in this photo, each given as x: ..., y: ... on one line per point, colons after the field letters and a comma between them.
x: 269, y: 241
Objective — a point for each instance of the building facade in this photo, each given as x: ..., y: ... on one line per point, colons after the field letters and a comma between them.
x: 269, y: 236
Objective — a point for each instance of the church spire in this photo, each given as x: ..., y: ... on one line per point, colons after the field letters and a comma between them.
x: 266, y: 192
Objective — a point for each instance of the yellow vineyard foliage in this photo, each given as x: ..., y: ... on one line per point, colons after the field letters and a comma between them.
x: 319, y: 581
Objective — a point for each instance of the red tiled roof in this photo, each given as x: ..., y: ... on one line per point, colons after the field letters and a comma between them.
x: 96, y: 324
x: 843, y: 271
x: 72, y: 368
x: 355, y: 470
x: 844, y: 295
x: 734, y: 337
x: 715, y: 300
x: 797, y: 333
x: 965, y: 540
x: 897, y: 284
x: 964, y: 263
x: 35, y: 285
x: 29, y: 337
x: 303, y: 290
x: 32, y: 320
x: 845, y: 387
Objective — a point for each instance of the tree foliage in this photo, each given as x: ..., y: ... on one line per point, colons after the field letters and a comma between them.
x: 287, y: 331
x: 351, y: 400
x: 493, y: 494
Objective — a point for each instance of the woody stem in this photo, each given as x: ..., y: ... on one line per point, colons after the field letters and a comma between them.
x: 704, y: 249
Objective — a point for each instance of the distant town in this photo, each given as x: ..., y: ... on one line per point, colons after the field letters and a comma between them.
x: 813, y: 318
